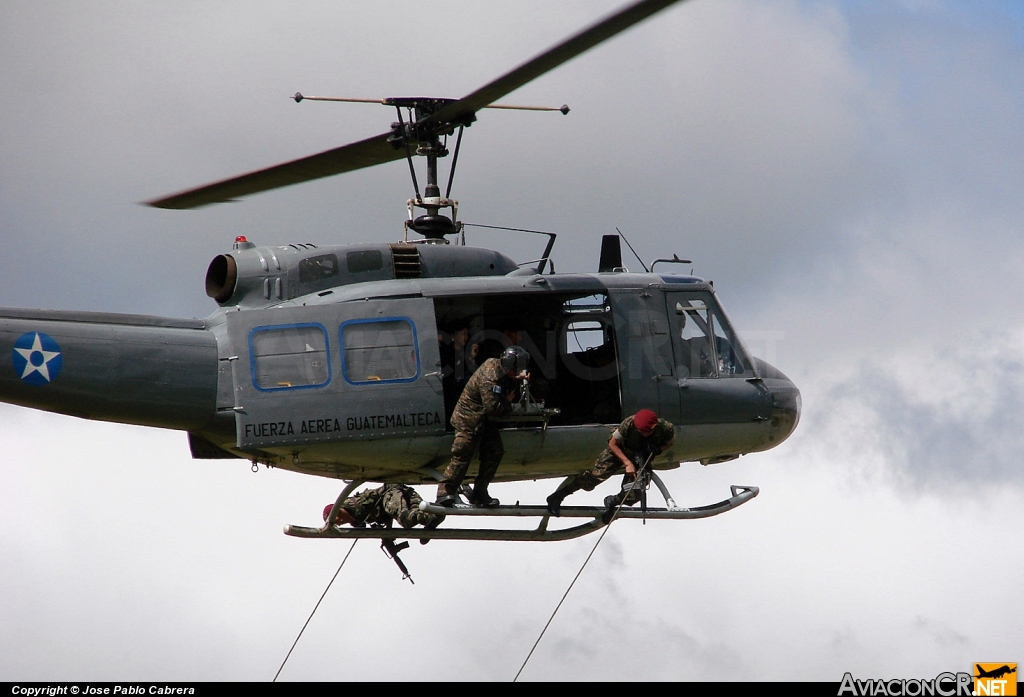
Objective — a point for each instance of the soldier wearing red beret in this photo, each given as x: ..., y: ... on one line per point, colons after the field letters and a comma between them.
x: 640, y: 436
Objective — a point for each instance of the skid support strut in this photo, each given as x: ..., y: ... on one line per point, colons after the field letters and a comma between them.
x: 349, y: 488
x: 669, y: 501
x: 740, y: 495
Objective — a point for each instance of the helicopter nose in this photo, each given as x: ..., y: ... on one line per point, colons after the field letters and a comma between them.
x: 785, y: 411
x: 786, y: 403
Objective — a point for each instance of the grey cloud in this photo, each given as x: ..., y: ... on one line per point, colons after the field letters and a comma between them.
x: 965, y: 440
x: 593, y: 638
x: 940, y: 633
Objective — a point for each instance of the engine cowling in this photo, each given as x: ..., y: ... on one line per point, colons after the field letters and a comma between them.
x: 255, y: 276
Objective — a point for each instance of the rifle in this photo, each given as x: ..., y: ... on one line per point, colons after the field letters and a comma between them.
x: 391, y: 549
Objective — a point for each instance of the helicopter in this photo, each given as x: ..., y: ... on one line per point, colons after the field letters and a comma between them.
x: 328, y: 359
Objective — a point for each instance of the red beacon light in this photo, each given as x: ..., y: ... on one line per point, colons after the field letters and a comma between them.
x: 242, y: 243
x: 241, y: 238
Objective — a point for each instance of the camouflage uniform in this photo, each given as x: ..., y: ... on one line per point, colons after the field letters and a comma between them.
x: 485, y: 395
x: 387, y: 503
x: 634, y: 445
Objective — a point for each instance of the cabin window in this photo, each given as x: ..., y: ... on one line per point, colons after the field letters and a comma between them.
x: 318, y: 268
x: 383, y: 350
x: 585, y: 335
x: 364, y: 260
x: 289, y: 357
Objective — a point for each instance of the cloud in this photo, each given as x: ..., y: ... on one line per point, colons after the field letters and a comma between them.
x: 942, y: 635
x: 951, y: 424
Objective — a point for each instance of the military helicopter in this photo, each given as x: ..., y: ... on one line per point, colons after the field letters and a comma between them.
x: 329, y: 360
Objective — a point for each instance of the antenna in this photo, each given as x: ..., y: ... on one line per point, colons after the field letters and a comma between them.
x: 547, y: 250
x: 633, y: 250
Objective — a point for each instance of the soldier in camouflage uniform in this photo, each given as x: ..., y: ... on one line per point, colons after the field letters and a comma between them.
x: 490, y: 392
x: 382, y: 505
x: 640, y: 436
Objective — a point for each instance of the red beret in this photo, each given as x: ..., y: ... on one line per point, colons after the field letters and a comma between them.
x: 342, y: 518
x: 645, y: 419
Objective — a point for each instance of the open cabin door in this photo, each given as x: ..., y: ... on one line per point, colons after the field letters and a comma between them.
x: 357, y: 370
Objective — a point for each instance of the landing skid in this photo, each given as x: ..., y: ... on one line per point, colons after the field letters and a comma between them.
x: 740, y: 495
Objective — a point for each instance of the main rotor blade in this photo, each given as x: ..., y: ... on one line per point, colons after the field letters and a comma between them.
x: 364, y: 153
x: 550, y: 59
x: 378, y: 150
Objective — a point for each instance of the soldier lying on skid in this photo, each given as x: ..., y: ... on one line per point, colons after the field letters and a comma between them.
x: 382, y: 505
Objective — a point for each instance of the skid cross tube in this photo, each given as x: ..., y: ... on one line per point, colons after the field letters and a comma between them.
x: 740, y: 495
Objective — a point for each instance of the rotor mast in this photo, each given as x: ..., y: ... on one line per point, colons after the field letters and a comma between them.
x: 430, y: 139
x: 429, y: 134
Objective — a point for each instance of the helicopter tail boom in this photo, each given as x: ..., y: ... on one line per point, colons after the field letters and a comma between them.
x: 134, y: 369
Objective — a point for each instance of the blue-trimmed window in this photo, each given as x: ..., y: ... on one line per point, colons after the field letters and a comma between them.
x: 289, y: 356
x: 379, y: 350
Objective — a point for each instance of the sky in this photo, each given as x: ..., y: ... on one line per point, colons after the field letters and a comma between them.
x: 848, y: 174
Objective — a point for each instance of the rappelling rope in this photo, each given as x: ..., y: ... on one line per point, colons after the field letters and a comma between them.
x: 636, y: 480
x: 314, y: 609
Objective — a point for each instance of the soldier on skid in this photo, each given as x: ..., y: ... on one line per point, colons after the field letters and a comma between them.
x: 490, y: 392
x: 382, y: 505
x: 638, y: 438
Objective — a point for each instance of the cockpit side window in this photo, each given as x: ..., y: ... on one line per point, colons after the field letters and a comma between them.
x: 693, y: 339
x: 703, y: 343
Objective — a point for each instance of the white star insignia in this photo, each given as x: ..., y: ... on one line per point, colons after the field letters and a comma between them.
x: 42, y: 369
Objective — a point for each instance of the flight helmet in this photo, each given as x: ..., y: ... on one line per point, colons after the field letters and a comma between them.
x: 515, y: 359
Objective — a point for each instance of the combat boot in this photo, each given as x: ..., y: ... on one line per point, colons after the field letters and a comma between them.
x: 555, y: 502
x: 483, y: 499
x: 447, y: 500
x: 558, y: 495
x: 611, y: 504
x: 432, y: 523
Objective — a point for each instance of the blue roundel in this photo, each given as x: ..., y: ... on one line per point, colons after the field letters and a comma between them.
x: 37, y: 358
